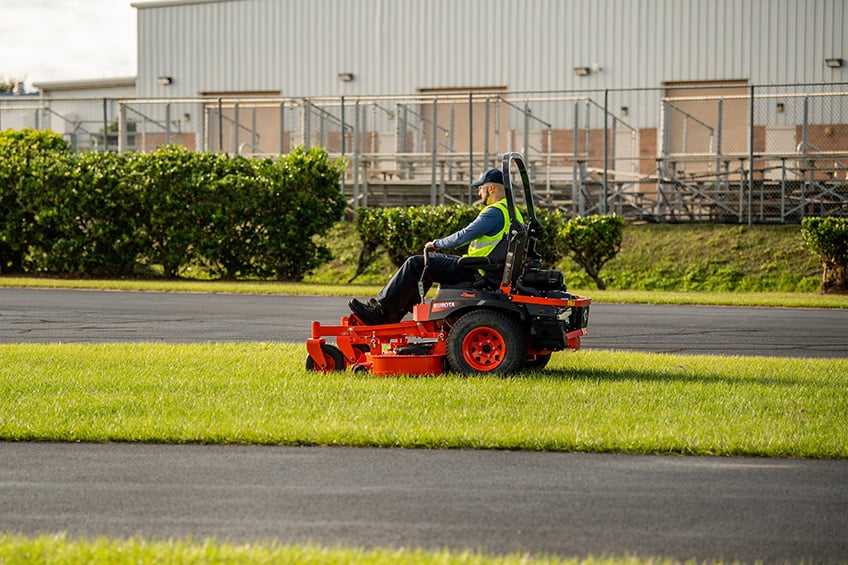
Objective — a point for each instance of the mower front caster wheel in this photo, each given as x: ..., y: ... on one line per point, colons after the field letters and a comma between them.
x: 333, y: 356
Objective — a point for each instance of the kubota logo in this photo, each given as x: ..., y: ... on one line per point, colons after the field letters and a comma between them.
x: 438, y: 306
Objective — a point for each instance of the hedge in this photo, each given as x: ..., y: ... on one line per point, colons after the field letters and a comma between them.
x: 590, y: 241
x: 106, y: 214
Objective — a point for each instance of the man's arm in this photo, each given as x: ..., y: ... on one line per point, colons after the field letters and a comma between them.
x: 489, y: 222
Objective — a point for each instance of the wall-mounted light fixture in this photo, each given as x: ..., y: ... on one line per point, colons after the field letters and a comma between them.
x: 346, y: 77
x: 624, y: 111
x: 779, y: 107
x: 833, y: 63
x: 582, y: 71
x: 166, y: 81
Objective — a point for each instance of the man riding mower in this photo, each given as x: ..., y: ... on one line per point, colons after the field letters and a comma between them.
x: 498, y: 313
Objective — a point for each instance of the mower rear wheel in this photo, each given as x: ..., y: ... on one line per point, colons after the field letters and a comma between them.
x: 333, y: 356
x: 486, y: 341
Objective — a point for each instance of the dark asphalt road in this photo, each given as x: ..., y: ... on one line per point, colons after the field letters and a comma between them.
x: 42, y: 315
x: 570, y: 504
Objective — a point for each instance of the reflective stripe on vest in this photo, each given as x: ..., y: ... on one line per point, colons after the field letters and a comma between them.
x: 485, y: 244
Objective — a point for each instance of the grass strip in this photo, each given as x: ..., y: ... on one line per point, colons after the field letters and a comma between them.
x: 61, y: 549
x: 259, y: 393
x: 772, y: 299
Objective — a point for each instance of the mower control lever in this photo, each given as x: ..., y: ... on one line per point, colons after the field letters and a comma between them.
x: 427, y: 251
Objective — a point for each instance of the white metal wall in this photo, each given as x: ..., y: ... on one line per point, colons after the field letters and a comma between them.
x: 298, y: 47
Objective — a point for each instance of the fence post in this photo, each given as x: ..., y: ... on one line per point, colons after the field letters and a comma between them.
x: 236, y: 122
x: 168, y: 123
x: 282, y: 127
x: 603, y: 202
x: 470, y: 146
x: 486, y: 133
x: 253, y: 138
x: 105, y: 125
x: 433, y: 150
x: 750, y: 156
x: 122, y: 128
x: 356, y: 143
x: 526, y: 149
x: 576, y: 191
x: 343, y: 125
x: 306, y: 123
x: 220, y: 125
x: 718, y: 146
x: 805, y: 145
x: 665, y: 115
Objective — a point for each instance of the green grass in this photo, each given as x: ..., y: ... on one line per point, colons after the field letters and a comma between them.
x: 185, y: 285
x: 779, y: 299
x: 64, y: 550
x: 587, y: 401
x: 709, y: 257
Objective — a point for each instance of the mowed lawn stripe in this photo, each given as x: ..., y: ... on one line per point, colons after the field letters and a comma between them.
x: 260, y: 393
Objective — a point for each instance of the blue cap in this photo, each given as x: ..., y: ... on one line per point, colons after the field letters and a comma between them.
x: 492, y: 175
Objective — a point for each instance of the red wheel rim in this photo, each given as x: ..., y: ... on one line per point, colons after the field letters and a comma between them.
x: 483, y: 349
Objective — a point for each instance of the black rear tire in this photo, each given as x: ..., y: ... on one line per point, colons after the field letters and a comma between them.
x: 486, y: 341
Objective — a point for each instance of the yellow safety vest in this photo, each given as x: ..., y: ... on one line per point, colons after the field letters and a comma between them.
x: 485, y: 244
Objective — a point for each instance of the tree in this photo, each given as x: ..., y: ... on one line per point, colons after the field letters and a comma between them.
x: 592, y: 241
x: 828, y: 238
x: 9, y: 85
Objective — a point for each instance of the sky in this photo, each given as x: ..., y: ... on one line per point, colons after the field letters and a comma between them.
x: 57, y: 40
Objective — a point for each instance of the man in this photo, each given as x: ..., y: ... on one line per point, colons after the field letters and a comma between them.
x: 483, y: 234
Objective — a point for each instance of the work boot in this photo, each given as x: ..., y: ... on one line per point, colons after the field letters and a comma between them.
x: 369, y: 312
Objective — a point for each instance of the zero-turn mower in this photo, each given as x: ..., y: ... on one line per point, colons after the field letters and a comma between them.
x: 514, y: 315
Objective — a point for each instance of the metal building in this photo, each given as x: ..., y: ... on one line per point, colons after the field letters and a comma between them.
x: 719, y: 109
x: 370, y: 47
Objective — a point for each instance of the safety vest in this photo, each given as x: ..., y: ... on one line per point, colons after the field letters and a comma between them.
x: 485, y: 244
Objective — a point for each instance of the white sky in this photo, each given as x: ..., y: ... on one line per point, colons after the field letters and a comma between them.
x: 54, y: 40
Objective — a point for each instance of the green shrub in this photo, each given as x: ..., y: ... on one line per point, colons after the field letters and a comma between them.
x: 300, y: 199
x: 404, y: 231
x: 102, y: 214
x: 33, y: 167
x: 828, y: 238
x: 591, y: 241
x: 97, y: 220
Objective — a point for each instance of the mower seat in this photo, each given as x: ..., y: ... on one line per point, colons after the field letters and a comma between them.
x: 482, y: 263
x: 487, y: 274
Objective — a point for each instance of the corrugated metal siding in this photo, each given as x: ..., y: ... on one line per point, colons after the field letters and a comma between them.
x: 400, y: 46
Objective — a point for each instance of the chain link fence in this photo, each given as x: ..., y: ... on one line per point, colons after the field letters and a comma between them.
x: 720, y: 153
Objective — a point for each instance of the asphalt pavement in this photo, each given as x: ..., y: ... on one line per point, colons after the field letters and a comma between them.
x: 47, y: 315
x: 570, y: 504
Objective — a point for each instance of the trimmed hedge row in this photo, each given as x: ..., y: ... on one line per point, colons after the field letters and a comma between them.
x: 591, y: 241
x: 106, y: 214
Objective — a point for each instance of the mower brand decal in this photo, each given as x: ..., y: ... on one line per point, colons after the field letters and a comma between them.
x: 439, y: 306
x: 468, y: 295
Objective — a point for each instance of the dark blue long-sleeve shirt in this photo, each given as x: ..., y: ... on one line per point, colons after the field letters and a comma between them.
x: 489, y: 222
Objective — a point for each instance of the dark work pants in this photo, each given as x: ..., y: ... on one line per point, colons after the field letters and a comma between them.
x: 401, y: 292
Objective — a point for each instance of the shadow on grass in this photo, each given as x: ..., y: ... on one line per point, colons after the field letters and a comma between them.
x: 676, y: 374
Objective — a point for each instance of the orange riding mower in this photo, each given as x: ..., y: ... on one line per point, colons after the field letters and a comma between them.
x: 513, y: 316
